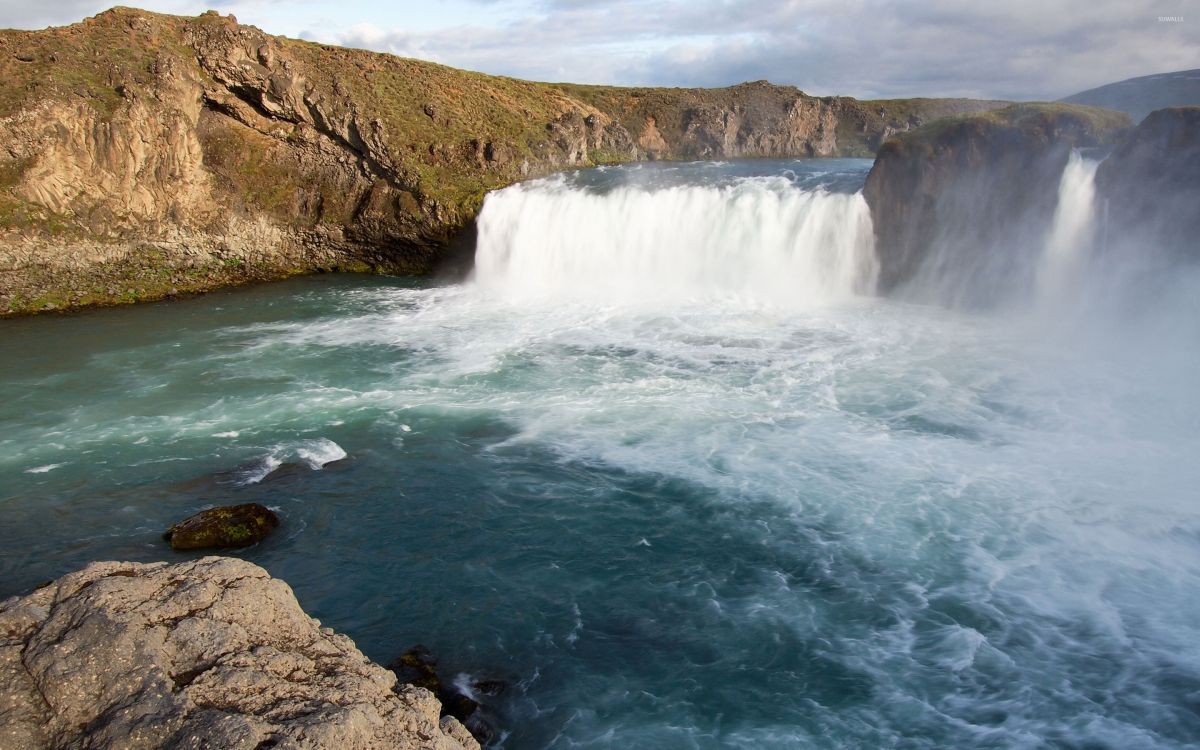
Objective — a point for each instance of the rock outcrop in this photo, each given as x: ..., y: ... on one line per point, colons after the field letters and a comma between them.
x: 206, y: 654
x: 960, y: 205
x: 224, y: 526
x: 1151, y: 185
x: 146, y: 155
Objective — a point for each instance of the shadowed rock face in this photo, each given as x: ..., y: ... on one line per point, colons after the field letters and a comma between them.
x: 1151, y: 184
x: 968, y: 198
x: 146, y: 155
x: 212, y: 653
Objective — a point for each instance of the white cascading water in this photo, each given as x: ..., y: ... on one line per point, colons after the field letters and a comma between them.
x: 758, y: 240
x: 1069, y: 241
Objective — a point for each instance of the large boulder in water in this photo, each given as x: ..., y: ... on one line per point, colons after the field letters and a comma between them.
x: 1150, y: 185
x: 227, y: 526
x: 212, y: 653
x: 959, y: 204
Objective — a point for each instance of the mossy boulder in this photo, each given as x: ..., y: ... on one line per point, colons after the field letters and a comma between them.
x: 227, y: 526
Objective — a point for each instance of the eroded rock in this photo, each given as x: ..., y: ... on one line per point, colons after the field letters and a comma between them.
x: 212, y: 653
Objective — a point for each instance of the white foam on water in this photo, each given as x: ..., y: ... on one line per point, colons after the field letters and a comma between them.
x: 318, y: 453
x: 261, y: 470
x: 43, y: 469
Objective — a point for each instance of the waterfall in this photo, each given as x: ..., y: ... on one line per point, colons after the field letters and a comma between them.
x: 1071, y: 234
x: 760, y: 240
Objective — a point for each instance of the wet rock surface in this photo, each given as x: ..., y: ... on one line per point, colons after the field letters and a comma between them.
x: 464, y: 702
x: 229, y: 526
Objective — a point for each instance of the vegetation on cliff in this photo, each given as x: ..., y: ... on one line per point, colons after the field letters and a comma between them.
x: 147, y: 155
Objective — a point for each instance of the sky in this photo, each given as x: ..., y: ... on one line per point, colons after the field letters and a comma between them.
x: 1019, y: 49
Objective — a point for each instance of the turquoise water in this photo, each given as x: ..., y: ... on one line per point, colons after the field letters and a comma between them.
x: 690, y: 522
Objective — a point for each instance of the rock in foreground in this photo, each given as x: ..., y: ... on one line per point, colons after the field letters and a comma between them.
x: 212, y: 653
x: 228, y: 526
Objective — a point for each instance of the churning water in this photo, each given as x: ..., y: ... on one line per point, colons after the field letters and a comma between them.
x: 667, y: 468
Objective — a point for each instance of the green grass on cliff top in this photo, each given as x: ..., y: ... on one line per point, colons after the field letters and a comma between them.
x: 436, y: 119
x: 1105, y: 125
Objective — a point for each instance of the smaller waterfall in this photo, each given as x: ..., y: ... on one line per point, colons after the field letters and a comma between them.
x: 1071, y: 236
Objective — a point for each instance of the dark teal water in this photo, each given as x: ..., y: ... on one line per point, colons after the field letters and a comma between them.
x: 709, y: 522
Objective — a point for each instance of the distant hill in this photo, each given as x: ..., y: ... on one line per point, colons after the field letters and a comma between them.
x: 1141, y: 96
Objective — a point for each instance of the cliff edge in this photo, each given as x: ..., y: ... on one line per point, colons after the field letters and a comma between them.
x: 147, y: 155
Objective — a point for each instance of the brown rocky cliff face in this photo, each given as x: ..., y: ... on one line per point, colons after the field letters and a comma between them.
x: 748, y: 120
x: 148, y: 154
x: 958, y: 204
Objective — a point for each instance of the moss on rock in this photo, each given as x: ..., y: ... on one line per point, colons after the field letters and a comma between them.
x: 227, y: 526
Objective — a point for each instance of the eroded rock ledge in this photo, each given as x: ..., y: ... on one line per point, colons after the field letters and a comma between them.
x: 212, y: 653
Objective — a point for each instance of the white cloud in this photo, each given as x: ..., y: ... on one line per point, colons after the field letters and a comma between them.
x: 1025, y: 49
x: 1018, y: 49
x: 22, y: 14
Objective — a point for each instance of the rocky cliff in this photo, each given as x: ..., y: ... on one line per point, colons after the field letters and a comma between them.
x: 145, y: 155
x: 959, y: 205
x: 761, y: 120
x: 206, y: 654
x: 1150, y: 186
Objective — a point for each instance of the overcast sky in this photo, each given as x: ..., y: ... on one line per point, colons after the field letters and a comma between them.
x: 1019, y: 49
